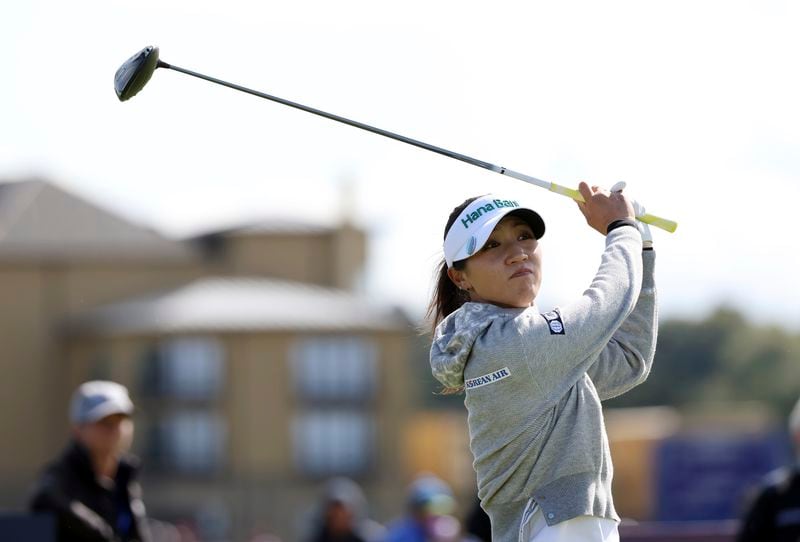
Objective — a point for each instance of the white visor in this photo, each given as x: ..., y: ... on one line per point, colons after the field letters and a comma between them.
x: 476, y: 222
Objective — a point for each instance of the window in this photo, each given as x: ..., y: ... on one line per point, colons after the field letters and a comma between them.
x: 190, y: 442
x: 182, y: 376
x: 334, y: 368
x: 333, y: 442
x: 185, y: 368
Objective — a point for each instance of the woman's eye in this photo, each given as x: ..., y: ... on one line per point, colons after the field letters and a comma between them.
x: 526, y: 235
x: 490, y: 244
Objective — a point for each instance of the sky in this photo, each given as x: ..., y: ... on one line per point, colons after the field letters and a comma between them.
x: 693, y: 103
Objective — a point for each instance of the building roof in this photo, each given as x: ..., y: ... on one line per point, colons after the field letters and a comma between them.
x: 215, y: 305
x: 40, y: 221
x: 270, y: 227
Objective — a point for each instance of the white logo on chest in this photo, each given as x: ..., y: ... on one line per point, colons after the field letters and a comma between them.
x: 491, y: 378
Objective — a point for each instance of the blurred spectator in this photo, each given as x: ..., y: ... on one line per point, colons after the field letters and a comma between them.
x: 774, y: 514
x: 477, y: 522
x: 91, y: 487
x: 343, y: 515
x: 261, y: 533
x: 429, y: 517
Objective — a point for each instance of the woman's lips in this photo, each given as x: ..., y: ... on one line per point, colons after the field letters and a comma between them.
x: 522, y: 273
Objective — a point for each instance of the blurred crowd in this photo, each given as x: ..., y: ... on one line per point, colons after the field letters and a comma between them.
x: 342, y: 515
x: 429, y: 515
x: 91, y: 492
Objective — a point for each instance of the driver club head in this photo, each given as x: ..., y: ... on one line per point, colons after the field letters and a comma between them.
x: 134, y: 74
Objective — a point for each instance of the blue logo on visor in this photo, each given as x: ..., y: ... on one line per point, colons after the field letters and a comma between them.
x: 471, y: 244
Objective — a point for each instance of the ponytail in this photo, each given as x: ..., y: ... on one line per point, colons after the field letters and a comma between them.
x: 447, y: 297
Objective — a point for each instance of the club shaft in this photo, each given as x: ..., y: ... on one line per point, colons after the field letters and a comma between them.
x: 337, y: 118
x: 553, y: 187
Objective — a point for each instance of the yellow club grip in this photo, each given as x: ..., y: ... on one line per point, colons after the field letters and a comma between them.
x: 658, y: 222
x: 564, y: 191
x: 647, y: 218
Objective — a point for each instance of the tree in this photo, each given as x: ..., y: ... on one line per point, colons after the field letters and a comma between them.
x: 721, y: 358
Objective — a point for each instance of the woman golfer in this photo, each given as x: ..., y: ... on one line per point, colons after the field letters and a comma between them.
x: 533, y: 381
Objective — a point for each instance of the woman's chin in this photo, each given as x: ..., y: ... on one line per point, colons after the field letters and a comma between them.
x: 514, y: 303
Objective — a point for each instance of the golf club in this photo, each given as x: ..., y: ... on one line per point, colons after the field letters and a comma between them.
x: 134, y: 74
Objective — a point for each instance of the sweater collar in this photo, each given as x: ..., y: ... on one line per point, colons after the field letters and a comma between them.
x: 455, y: 336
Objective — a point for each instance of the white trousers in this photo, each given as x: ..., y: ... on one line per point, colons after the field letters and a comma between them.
x: 534, y: 528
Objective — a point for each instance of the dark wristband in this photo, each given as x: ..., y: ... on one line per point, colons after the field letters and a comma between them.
x: 619, y: 223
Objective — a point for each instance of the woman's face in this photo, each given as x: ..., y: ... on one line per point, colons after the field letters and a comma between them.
x: 507, y: 271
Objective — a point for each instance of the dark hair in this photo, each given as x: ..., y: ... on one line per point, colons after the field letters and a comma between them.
x: 447, y: 297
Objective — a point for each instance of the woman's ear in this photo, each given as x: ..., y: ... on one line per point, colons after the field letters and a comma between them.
x: 459, y: 278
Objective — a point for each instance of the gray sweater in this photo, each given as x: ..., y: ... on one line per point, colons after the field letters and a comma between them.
x: 534, y: 383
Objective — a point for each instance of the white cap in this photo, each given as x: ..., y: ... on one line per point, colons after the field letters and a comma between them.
x: 97, y: 399
x: 476, y: 222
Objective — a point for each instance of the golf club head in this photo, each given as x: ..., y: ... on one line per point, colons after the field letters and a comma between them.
x: 134, y: 74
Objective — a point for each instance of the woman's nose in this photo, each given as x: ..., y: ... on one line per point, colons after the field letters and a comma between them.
x: 517, y: 255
